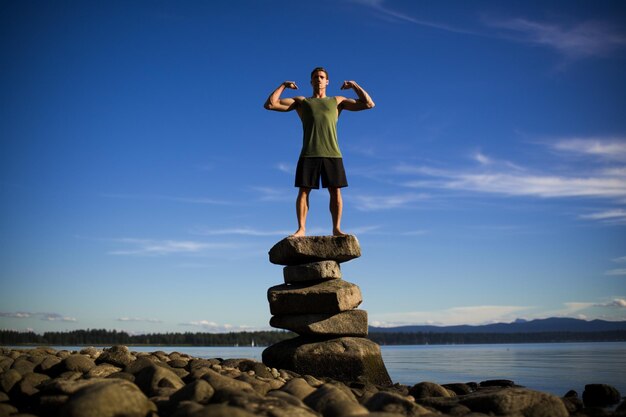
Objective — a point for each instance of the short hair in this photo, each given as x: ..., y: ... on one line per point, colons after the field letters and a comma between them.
x: 319, y: 69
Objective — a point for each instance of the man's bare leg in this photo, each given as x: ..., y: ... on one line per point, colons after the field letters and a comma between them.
x: 336, y: 209
x: 302, y: 209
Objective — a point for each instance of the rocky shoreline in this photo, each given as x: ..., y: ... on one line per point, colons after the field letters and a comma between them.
x: 116, y: 382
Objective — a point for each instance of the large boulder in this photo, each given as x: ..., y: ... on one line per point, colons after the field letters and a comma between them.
x: 344, y: 359
x: 301, y: 250
x: 325, y: 297
x: 347, y: 323
x: 311, y: 272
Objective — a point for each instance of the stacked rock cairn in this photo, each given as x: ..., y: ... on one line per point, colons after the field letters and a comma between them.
x: 317, y: 304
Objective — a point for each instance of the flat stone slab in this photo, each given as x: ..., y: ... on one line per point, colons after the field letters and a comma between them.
x: 332, y: 296
x: 301, y: 250
x: 344, y: 359
x: 312, y: 272
x: 347, y: 323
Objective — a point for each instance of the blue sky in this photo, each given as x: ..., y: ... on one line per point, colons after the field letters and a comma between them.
x: 142, y: 182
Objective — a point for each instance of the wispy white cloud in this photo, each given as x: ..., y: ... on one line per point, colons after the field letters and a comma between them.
x: 618, y: 302
x: 581, y: 40
x: 366, y: 202
x: 393, y: 15
x: 472, y: 315
x: 572, y: 308
x: 538, y: 185
x: 285, y: 167
x: 40, y: 316
x: 616, y: 272
x: 607, y: 310
x: 610, y: 149
x: 213, y: 327
x: 139, y: 319
x: 486, y: 314
x: 620, y: 259
x: 581, y: 180
x: 17, y: 315
x: 275, y: 194
x: 165, y: 247
x: 611, y: 216
x: 482, y: 158
x: 490, y: 162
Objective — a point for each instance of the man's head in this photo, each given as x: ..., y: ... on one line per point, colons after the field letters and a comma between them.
x: 322, y: 69
x: 319, y: 78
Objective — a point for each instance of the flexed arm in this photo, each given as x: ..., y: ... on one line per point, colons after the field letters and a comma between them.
x: 274, y: 102
x: 364, y: 102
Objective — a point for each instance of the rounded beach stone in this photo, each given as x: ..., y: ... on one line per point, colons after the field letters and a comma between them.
x: 503, y: 383
x: 600, y: 395
x: 333, y: 402
x: 391, y: 402
x: 7, y: 410
x: 23, y: 366
x: 298, y: 387
x: 344, y: 358
x: 78, y: 363
x: 102, y: 371
x: 5, y: 363
x: 516, y: 400
x: 108, y: 398
x: 427, y: 390
x: 150, y: 379
x: 306, y: 249
x: 458, y: 388
x: 117, y: 355
x: 198, y: 391
x: 221, y: 410
x: 48, y: 364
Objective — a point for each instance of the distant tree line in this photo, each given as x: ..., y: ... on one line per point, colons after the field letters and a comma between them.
x: 113, y: 337
x: 266, y: 338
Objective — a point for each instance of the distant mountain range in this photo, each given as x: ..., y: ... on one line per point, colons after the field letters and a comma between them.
x: 519, y: 326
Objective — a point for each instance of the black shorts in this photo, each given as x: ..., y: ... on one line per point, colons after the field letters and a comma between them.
x: 330, y: 170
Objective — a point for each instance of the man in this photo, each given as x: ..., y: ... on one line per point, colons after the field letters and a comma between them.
x: 320, y: 156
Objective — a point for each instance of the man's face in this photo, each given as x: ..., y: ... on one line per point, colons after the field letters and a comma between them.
x: 319, y: 80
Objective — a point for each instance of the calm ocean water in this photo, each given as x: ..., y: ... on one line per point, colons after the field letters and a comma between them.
x: 549, y: 367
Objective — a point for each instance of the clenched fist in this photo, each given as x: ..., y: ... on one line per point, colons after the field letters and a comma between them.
x: 291, y: 85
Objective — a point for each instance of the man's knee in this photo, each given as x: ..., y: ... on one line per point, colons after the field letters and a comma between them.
x: 334, y: 191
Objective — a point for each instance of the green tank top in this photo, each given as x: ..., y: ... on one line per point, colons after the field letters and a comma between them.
x: 319, y: 123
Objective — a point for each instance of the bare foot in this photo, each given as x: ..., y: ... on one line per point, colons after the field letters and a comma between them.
x: 338, y: 232
x: 299, y: 233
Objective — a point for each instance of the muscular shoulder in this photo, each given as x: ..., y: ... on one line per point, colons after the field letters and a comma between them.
x: 341, y: 100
